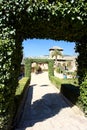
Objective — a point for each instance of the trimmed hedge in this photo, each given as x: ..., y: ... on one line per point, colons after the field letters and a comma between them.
x: 23, y: 83
x: 71, y: 92
x: 83, y: 96
x: 19, y: 95
x: 50, y: 19
x: 81, y: 48
x: 29, y: 61
x: 57, y: 82
x: 67, y: 88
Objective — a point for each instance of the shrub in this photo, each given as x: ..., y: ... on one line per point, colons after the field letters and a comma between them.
x: 83, y: 96
x: 23, y: 83
x: 71, y: 92
x: 19, y: 95
x: 56, y: 81
x: 29, y: 61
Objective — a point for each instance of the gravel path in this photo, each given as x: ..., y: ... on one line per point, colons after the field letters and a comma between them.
x: 47, y: 109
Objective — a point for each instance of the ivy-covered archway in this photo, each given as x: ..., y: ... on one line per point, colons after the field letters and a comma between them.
x: 29, y: 61
x: 54, y: 19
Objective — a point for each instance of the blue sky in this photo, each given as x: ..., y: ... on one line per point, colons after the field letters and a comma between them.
x: 40, y: 47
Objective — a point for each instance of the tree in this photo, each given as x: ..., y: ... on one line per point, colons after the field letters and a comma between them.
x: 55, y: 54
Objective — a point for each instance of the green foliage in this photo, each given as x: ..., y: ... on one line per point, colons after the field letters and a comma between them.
x: 82, y: 72
x: 68, y: 88
x: 57, y: 82
x: 19, y: 97
x: 59, y: 70
x: 50, y: 68
x: 56, y: 53
x: 66, y: 20
x: 21, y: 19
x: 23, y: 83
x: 28, y: 62
x: 71, y: 92
x: 82, y: 59
x: 28, y: 67
x: 83, y: 96
x: 10, y: 59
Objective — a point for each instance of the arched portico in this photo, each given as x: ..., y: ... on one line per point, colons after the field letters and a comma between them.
x: 22, y: 19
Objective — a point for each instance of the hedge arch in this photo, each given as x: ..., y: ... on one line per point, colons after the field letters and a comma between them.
x: 22, y: 19
x: 29, y: 61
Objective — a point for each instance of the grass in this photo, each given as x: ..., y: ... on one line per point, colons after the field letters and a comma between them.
x: 58, y: 82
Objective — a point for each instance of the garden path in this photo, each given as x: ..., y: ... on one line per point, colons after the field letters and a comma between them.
x: 46, y: 108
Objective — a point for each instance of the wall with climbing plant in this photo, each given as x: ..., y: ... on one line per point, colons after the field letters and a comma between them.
x: 50, y: 19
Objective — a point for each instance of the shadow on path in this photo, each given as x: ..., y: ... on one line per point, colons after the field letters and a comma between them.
x: 44, y: 85
x: 26, y: 107
x: 48, y: 106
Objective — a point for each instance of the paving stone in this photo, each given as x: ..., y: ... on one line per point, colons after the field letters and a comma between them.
x: 47, y: 109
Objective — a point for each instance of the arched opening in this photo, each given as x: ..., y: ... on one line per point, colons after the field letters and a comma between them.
x: 42, y: 49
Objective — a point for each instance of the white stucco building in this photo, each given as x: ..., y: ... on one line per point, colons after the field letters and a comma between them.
x: 65, y: 61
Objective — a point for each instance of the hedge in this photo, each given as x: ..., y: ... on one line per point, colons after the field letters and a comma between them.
x: 57, y: 82
x: 29, y: 61
x: 19, y: 98
x: 22, y: 19
x: 71, y: 92
x: 83, y: 96
x: 23, y: 83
